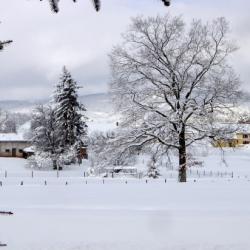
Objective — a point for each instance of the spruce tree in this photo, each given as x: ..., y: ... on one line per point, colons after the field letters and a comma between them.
x: 71, y: 122
x: 153, y: 171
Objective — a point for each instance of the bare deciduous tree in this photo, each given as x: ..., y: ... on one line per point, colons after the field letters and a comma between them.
x: 171, y: 83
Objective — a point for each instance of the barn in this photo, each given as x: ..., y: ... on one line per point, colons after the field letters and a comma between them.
x: 13, y: 145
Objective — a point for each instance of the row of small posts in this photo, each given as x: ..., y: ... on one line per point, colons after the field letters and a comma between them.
x: 210, y: 173
x: 86, y: 182
x: 197, y: 173
x: 32, y: 174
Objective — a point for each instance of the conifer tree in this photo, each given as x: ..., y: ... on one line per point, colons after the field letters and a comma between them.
x: 71, y: 122
x: 153, y: 171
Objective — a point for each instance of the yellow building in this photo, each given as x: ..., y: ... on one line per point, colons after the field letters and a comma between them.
x: 242, y: 137
x: 225, y: 143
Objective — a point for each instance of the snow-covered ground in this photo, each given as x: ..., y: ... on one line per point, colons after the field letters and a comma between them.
x: 135, y: 216
x: 211, y: 213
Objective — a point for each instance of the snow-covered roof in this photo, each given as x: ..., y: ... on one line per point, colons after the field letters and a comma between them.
x: 16, y: 137
x: 244, y: 128
x: 11, y: 137
x: 29, y: 149
x: 236, y: 127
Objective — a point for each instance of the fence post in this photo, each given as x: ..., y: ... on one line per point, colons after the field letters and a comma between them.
x: 32, y: 174
x: 57, y: 174
x: 5, y: 174
x: 232, y: 174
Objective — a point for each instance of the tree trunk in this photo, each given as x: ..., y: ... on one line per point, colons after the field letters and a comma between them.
x: 182, y: 158
x: 54, y: 164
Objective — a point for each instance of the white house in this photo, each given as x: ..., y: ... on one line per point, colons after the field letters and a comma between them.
x: 13, y: 145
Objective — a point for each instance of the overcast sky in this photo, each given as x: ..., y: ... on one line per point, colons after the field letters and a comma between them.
x: 80, y: 38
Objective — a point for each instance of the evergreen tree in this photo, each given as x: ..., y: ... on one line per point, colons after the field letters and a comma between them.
x: 71, y: 123
x: 153, y: 171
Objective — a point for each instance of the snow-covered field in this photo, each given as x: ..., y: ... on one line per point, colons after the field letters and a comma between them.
x: 210, y: 213
x: 202, y: 215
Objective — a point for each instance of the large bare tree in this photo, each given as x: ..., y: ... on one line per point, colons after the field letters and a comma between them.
x: 171, y: 83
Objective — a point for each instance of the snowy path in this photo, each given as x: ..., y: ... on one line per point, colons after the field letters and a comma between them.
x: 194, y: 216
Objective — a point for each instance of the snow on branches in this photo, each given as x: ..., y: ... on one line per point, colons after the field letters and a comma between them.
x: 59, y: 128
x: 172, y: 83
x: 55, y: 8
x: 97, y: 4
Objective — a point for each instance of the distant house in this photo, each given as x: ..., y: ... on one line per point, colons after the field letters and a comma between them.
x: 226, y: 143
x: 13, y: 145
x: 241, y: 137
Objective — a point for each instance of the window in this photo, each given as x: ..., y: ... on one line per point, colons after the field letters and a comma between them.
x: 245, y: 136
x: 20, y: 151
x: 245, y: 142
x: 7, y: 150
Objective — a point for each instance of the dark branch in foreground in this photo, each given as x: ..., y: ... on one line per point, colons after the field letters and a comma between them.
x: 96, y: 3
x: 6, y: 213
x: 4, y: 43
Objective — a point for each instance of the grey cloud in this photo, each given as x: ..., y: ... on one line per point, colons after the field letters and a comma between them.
x: 80, y: 38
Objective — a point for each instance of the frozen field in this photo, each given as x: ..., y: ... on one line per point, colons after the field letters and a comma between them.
x: 209, y: 214
x: 135, y: 216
